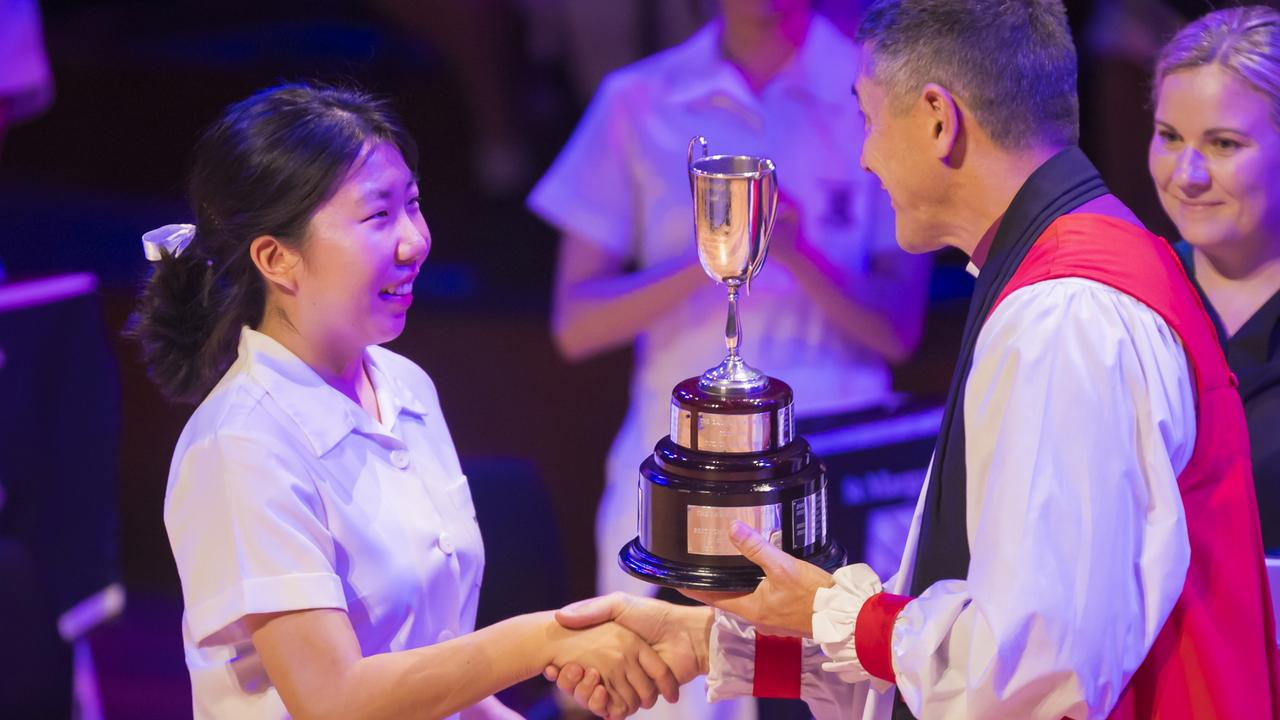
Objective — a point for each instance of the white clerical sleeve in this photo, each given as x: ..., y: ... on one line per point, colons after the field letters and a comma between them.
x: 1079, y: 416
x: 732, y: 674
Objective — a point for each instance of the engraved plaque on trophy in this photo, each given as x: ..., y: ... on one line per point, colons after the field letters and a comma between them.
x: 732, y: 453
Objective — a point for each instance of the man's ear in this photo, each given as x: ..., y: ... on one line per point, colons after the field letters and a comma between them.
x: 277, y: 262
x: 946, y: 132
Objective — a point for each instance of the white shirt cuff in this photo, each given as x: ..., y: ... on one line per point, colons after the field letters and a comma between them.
x: 835, y: 615
x: 733, y: 660
x: 732, y: 671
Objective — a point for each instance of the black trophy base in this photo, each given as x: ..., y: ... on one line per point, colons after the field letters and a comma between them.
x: 641, y: 563
x: 689, y: 499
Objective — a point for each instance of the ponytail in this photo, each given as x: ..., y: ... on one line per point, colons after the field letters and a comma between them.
x: 189, y: 317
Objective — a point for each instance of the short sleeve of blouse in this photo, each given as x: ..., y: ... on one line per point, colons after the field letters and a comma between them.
x: 589, y: 190
x: 247, y: 529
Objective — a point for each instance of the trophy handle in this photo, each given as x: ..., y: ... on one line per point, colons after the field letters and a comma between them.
x: 768, y: 175
x: 702, y: 142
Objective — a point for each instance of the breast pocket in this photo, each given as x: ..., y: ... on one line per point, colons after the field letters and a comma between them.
x: 459, y: 493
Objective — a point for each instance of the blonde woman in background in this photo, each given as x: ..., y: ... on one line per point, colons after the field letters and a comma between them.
x: 1215, y: 160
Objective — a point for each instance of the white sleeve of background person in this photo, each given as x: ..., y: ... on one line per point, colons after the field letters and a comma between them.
x: 589, y: 191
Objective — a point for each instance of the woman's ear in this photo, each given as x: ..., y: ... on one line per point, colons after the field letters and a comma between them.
x: 946, y: 134
x: 277, y: 262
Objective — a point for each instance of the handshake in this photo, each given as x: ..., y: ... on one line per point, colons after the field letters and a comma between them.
x: 616, y: 654
x: 620, y: 652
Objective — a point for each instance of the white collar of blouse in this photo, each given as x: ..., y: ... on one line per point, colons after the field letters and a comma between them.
x: 824, y: 68
x: 324, y: 415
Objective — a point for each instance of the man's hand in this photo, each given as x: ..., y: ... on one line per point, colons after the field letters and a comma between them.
x: 783, y: 602
x: 632, y: 672
x: 680, y: 635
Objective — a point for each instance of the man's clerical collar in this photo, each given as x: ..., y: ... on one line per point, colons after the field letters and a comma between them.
x: 983, y: 248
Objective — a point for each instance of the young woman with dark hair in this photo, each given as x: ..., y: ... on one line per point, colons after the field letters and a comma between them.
x: 322, y: 527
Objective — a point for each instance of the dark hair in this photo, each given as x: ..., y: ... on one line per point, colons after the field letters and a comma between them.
x: 262, y: 168
x: 1011, y: 61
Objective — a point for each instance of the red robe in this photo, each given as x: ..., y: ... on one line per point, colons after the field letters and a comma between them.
x: 1216, y: 656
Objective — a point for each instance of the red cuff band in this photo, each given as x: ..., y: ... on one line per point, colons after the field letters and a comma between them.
x: 777, y: 667
x: 873, y: 634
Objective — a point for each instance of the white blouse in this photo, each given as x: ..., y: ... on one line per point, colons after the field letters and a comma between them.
x: 285, y: 495
x: 1079, y: 416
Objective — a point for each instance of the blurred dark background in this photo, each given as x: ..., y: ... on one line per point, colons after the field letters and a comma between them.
x: 491, y: 89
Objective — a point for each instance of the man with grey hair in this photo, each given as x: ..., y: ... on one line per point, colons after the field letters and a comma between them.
x: 1087, y: 541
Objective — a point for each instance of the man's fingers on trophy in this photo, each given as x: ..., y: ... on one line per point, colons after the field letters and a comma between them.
x: 592, y: 611
x: 756, y: 548
x: 551, y: 673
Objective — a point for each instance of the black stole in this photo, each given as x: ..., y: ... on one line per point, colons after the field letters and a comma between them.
x: 1063, y: 183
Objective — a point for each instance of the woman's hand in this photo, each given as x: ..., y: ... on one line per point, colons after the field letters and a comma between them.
x: 680, y: 636
x: 625, y: 666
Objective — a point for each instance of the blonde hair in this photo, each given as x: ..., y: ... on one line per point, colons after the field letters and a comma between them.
x: 1244, y: 40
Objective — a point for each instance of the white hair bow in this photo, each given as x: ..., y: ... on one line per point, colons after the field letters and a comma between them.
x: 172, y: 238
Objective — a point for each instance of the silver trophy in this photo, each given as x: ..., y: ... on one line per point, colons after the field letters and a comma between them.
x: 735, y: 201
x: 732, y: 453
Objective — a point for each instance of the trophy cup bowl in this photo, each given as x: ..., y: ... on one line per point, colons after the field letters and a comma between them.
x: 732, y: 454
x: 733, y: 217
x: 735, y: 202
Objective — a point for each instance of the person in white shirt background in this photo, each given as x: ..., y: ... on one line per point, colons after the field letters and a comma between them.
x: 322, y: 528
x: 837, y: 302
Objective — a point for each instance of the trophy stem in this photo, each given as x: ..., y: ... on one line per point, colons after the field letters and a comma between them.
x: 733, y: 325
x: 733, y: 375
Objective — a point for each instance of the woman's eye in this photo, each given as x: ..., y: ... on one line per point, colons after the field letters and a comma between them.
x: 414, y: 202
x: 377, y: 216
x: 1167, y: 136
x: 1226, y: 144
